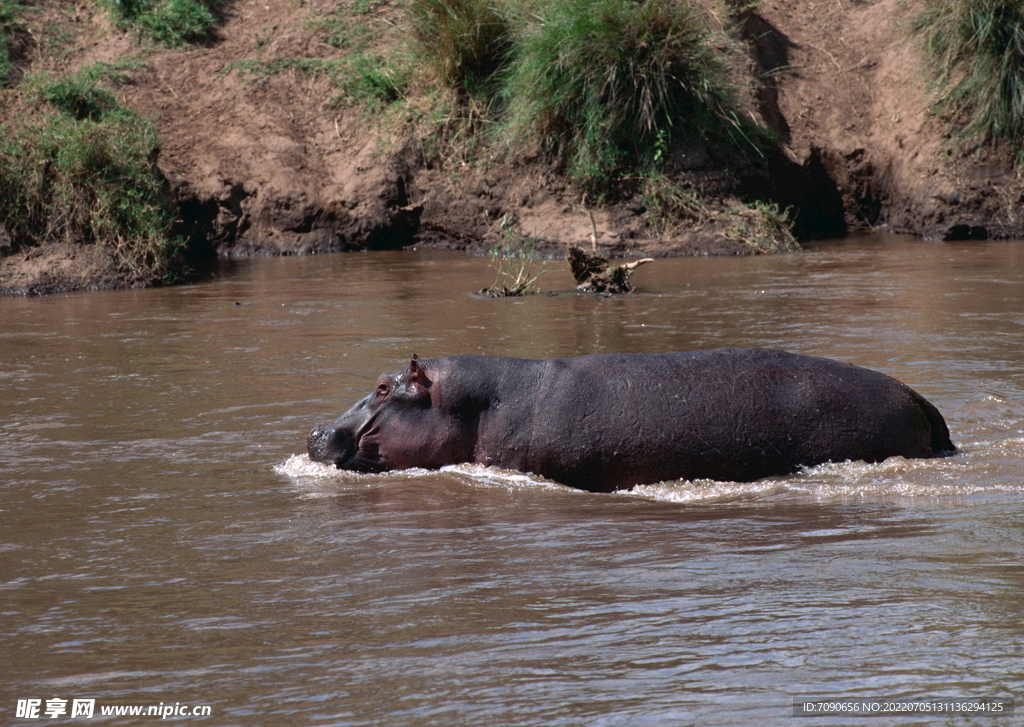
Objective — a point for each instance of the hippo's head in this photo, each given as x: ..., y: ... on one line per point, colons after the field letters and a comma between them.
x: 399, y: 425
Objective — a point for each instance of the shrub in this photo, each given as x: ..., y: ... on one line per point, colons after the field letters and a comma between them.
x: 84, y: 171
x: 976, y: 52
x: 602, y: 84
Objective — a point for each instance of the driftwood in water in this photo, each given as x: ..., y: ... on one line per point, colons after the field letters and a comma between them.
x: 594, y: 274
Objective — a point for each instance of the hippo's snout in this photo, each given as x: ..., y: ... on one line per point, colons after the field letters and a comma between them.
x: 315, y: 443
x: 330, y: 445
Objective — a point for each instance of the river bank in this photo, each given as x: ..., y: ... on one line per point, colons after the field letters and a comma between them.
x: 269, y: 144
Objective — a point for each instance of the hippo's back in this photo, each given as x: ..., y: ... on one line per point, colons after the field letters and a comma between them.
x: 610, y: 421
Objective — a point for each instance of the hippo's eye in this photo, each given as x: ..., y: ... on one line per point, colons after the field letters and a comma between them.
x: 383, y: 389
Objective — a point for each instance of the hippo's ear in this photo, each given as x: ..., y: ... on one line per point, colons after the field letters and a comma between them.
x: 418, y: 376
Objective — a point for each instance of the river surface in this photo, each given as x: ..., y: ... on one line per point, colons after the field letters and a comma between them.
x: 165, y: 540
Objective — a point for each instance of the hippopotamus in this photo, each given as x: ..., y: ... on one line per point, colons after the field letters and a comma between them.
x: 607, y: 422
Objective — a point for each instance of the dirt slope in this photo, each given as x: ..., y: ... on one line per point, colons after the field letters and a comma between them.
x: 269, y: 166
x: 854, y: 92
x: 263, y: 164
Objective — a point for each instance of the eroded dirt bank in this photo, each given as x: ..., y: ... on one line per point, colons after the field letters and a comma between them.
x: 264, y: 163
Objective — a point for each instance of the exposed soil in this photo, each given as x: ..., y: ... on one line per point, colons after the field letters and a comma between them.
x: 854, y: 96
x: 58, y: 268
x: 266, y: 165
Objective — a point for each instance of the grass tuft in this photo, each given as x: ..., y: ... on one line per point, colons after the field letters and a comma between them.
x: 605, y: 84
x: 77, y: 167
x: 82, y: 96
x: 464, y: 42
x: 10, y: 14
x: 513, y: 260
x: 977, y: 53
x: 171, y: 23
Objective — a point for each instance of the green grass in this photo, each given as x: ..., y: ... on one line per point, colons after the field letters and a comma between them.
x: 10, y: 14
x: 514, y: 260
x: 82, y: 96
x: 975, y: 52
x: 171, y: 23
x: 372, y: 80
x: 78, y: 167
x: 361, y: 77
x: 603, y: 87
x: 344, y: 27
x: 364, y: 76
x: 606, y: 84
x: 465, y: 43
x: 607, y: 90
x: 10, y: 11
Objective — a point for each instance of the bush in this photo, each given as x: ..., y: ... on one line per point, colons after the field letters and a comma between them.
x: 976, y: 53
x: 83, y: 170
x: 604, y: 84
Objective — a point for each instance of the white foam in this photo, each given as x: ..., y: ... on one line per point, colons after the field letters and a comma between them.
x: 981, y: 467
x: 896, y: 479
x: 479, y: 474
x: 311, y: 475
x: 300, y: 465
x: 708, y: 491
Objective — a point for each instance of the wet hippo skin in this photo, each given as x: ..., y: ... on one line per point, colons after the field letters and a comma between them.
x: 611, y: 421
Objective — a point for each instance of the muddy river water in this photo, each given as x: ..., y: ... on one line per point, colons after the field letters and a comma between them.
x: 166, y: 542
